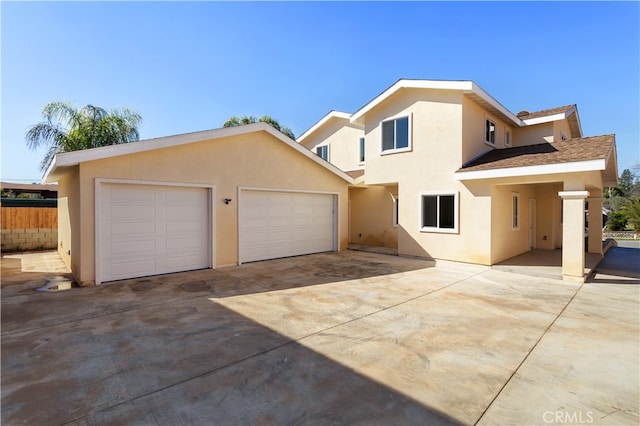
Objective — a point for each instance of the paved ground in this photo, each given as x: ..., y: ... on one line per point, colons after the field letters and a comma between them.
x: 348, y: 338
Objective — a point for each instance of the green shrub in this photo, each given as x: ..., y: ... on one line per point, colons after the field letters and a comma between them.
x: 616, y: 221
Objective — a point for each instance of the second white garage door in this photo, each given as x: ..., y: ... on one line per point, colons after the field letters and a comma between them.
x: 152, y: 229
x: 275, y: 224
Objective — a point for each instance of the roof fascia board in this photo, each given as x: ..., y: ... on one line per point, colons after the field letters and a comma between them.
x: 465, y: 86
x: 497, y: 105
x: 74, y: 158
x: 553, y: 117
x: 573, y: 167
x: 322, y: 122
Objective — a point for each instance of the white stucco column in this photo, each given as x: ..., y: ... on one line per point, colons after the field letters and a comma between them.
x: 573, y: 235
x: 595, y: 222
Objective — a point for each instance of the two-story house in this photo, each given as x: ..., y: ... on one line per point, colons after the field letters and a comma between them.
x: 444, y: 171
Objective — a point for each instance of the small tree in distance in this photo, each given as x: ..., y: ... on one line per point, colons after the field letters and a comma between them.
x: 250, y: 119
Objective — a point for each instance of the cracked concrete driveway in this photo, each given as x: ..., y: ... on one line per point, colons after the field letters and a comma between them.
x: 335, y: 338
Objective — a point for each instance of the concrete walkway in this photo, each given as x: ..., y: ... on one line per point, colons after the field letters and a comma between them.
x: 335, y: 338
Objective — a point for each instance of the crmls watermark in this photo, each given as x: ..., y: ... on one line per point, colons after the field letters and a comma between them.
x: 568, y: 417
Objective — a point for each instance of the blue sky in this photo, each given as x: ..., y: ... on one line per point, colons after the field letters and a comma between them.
x: 189, y: 66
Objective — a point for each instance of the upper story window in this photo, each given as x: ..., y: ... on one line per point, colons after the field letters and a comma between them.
x: 489, y: 131
x: 323, y: 152
x: 362, y: 150
x: 395, y: 135
x: 507, y: 137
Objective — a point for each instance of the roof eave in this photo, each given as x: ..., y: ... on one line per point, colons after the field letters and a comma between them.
x: 63, y: 161
x: 464, y: 86
x: 320, y: 123
x: 537, y: 170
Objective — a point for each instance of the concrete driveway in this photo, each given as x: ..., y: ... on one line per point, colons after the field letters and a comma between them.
x: 336, y: 338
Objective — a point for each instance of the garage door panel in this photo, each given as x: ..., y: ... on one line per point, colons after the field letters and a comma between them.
x: 132, y: 247
x: 121, y: 270
x: 132, y: 228
x: 184, y: 243
x: 152, y: 229
x: 129, y: 194
x: 123, y: 212
x: 177, y: 227
x: 279, y: 224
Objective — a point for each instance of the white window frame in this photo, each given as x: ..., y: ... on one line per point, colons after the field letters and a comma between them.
x: 515, y: 211
x: 361, y: 150
x: 488, y: 119
x: 507, y: 137
x: 409, y: 132
x: 456, y: 212
x: 321, y: 147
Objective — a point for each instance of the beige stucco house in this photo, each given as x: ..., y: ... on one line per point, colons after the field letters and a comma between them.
x: 198, y: 200
x: 435, y: 169
x: 447, y: 172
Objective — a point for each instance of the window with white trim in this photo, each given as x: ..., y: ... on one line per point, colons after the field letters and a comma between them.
x: 323, y: 152
x: 439, y: 212
x: 507, y: 137
x: 396, y: 135
x: 515, y: 211
x: 489, y: 131
x: 362, y: 150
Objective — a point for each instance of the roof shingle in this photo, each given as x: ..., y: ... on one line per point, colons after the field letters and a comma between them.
x: 572, y: 150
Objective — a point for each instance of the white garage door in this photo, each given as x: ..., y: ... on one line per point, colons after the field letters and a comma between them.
x: 150, y: 230
x: 280, y: 224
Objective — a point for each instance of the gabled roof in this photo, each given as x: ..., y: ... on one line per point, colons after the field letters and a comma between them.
x: 331, y: 115
x: 526, y: 115
x: 469, y: 88
x: 573, y: 155
x: 70, y: 159
x: 569, y: 112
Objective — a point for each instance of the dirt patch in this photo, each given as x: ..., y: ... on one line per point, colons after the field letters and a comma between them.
x: 144, y: 285
x: 195, y: 286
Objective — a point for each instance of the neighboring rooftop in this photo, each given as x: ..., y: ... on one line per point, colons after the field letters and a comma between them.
x: 47, y: 191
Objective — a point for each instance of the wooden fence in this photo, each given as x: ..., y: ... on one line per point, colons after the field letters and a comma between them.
x: 29, y: 217
x: 28, y: 225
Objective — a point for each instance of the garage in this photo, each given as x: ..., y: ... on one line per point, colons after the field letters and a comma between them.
x: 274, y: 224
x: 146, y: 229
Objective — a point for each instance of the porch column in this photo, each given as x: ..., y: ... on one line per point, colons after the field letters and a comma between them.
x: 595, y: 223
x: 573, y: 235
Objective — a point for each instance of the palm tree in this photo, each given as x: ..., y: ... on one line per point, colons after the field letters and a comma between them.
x: 68, y: 129
x: 249, y: 119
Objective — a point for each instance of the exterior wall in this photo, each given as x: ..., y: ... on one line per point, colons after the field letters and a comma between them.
x: 371, y: 216
x: 560, y: 128
x: 343, y: 139
x: 548, y: 224
x: 531, y: 135
x: 436, y: 153
x: 507, y: 242
x: 255, y: 160
x: 69, y: 218
x: 473, y: 131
